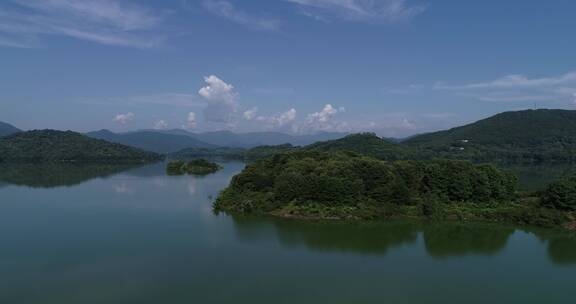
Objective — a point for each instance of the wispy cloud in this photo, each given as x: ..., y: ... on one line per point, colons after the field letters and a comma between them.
x: 160, y: 125
x: 371, y: 11
x: 516, y: 81
x: 227, y: 10
x: 191, y: 121
x: 250, y: 114
x: 109, y: 22
x: 518, y: 88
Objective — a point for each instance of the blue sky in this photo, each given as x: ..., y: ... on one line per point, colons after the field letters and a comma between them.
x: 301, y: 66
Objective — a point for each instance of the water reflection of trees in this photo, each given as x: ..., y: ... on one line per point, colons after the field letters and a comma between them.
x: 50, y: 175
x: 563, y: 250
x: 360, y: 237
x: 367, y: 238
x: 441, y: 240
x: 561, y: 246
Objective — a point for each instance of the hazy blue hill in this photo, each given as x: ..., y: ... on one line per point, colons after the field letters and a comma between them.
x: 66, y: 146
x: 234, y: 153
x: 363, y: 143
x: 531, y: 134
x: 222, y: 152
x: 7, y: 129
x: 254, y: 139
x: 248, y: 140
x: 170, y: 131
x: 221, y: 138
x: 151, y: 141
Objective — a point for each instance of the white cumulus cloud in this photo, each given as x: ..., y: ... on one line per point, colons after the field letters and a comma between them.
x: 279, y: 120
x: 285, y: 118
x: 327, y: 113
x: 124, y: 118
x: 221, y: 98
x: 324, y: 121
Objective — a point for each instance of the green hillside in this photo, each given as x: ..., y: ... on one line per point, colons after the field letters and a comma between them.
x: 66, y: 146
x: 531, y: 135
x: 365, y: 144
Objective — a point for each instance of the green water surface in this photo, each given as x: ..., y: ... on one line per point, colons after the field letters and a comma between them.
x: 108, y: 234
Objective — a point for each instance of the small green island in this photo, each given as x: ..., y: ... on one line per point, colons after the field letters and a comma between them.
x: 195, y: 167
x: 346, y: 185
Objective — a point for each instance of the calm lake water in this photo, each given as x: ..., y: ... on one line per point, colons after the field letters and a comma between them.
x: 105, y: 234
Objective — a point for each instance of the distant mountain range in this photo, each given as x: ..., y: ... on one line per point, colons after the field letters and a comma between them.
x: 169, y: 141
x: 530, y: 135
x: 254, y: 139
x: 7, y: 129
x: 515, y: 137
x: 151, y: 141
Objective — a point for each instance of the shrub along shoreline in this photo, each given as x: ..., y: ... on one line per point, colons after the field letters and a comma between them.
x: 317, y: 185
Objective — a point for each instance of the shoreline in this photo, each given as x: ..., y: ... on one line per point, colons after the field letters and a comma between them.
x: 547, y: 219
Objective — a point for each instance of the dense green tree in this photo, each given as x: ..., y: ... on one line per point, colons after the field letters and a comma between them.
x: 561, y: 194
x: 345, y: 179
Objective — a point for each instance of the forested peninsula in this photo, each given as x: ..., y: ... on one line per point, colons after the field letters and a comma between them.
x: 346, y: 185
